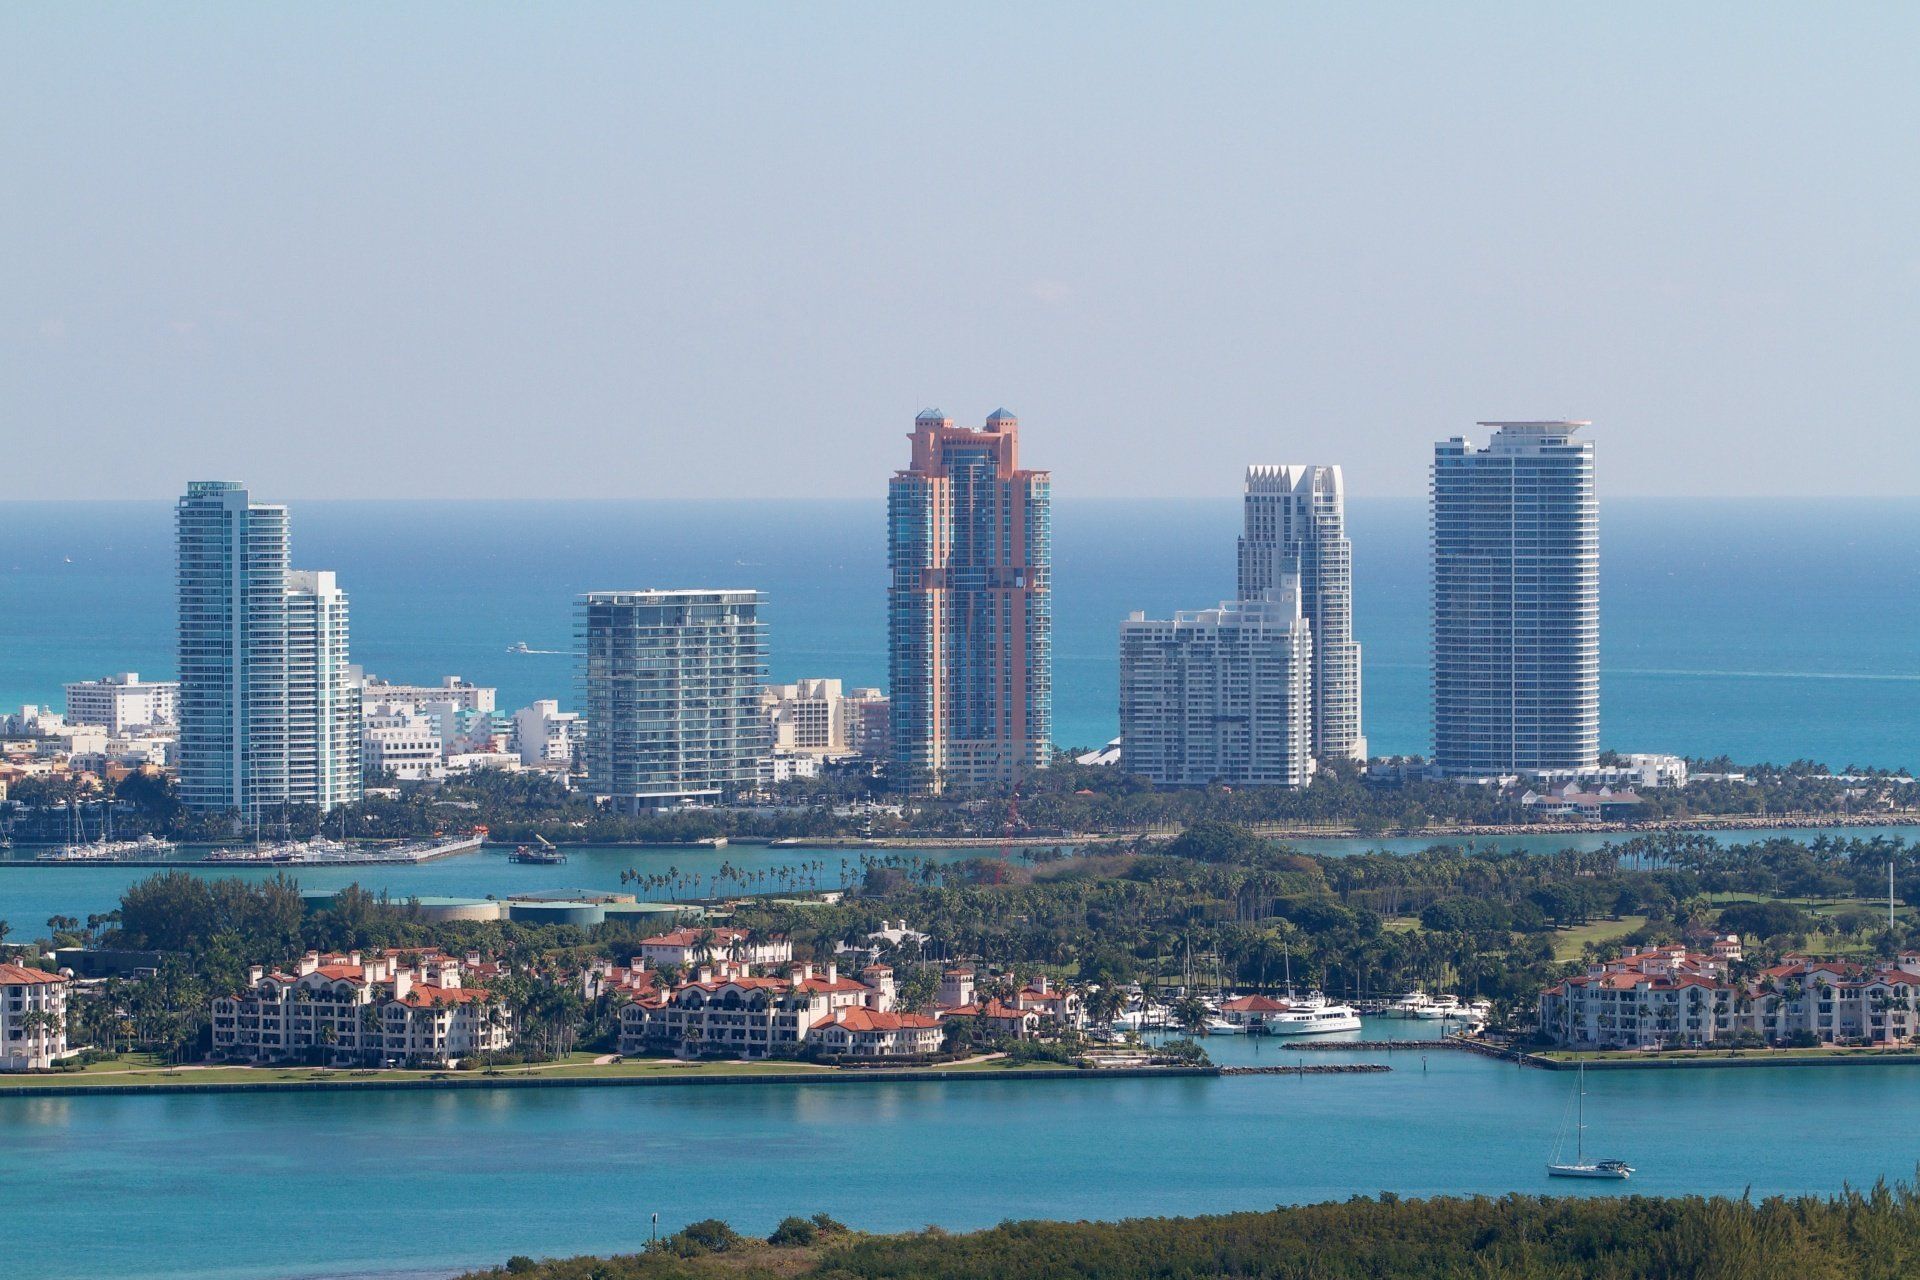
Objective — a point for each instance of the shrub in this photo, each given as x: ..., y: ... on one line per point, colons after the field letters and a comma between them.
x: 709, y: 1235
x: 794, y: 1232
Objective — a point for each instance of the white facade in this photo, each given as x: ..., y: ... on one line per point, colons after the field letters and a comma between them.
x: 1295, y: 526
x: 1220, y: 695
x: 451, y: 691
x: 401, y: 741
x: 808, y: 717
x: 544, y: 734
x: 33, y: 1018
x: 323, y: 695
x: 123, y: 702
x: 354, y: 1009
x: 269, y: 708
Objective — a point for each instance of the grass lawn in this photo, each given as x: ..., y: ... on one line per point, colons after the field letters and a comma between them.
x: 1568, y: 942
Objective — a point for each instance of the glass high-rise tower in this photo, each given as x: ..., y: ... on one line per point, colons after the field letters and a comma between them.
x: 1295, y: 527
x: 673, y: 682
x: 269, y: 711
x: 1516, y: 601
x: 969, y: 607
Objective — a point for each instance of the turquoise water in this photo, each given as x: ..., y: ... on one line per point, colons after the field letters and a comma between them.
x: 1768, y: 629
x: 333, y: 1184
x: 30, y: 894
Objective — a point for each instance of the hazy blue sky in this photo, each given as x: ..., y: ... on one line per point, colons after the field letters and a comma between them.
x: 387, y: 250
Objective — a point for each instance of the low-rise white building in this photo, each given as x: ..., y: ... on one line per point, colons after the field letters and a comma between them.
x: 452, y: 692
x: 544, y: 734
x: 123, y: 702
x: 399, y: 739
x: 689, y: 946
x: 33, y: 1018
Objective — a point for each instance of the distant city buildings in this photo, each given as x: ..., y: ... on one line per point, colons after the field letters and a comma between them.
x: 822, y: 719
x: 269, y: 715
x: 1295, y: 526
x: 543, y: 734
x: 808, y: 717
x: 969, y: 606
x: 423, y: 732
x: 673, y: 684
x: 1220, y: 695
x: 123, y: 702
x: 1516, y: 602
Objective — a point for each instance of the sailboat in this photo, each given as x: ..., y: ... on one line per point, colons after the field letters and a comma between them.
x: 1581, y: 1167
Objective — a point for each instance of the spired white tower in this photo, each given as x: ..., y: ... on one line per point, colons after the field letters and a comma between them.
x: 1296, y: 527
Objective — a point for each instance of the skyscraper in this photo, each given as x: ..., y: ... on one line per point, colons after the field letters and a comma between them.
x: 1296, y: 525
x: 672, y: 687
x: 1220, y: 695
x: 263, y: 663
x: 1516, y: 601
x: 970, y: 606
x: 323, y: 696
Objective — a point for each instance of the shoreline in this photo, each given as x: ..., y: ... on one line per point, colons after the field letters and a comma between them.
x: 57, y: 1088
x: 1746, y: 1058
x: 1708, y: 824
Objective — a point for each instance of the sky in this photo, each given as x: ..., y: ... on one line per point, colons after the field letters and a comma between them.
x: 359, y: 250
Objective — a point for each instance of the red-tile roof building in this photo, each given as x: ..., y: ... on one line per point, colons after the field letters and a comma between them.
x: 398, y: 1007
x: 727, y: 1010
x: 1670, y: 997
x: 33, y: 1018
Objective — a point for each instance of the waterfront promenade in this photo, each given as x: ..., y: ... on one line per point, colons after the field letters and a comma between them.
x: 147, y: 1187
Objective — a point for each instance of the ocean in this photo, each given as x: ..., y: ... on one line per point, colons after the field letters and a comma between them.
x: 1763, y: 630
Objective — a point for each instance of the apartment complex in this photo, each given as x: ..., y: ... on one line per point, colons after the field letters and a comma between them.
x: 123, y: 702
x: 1516, y: 601
x: 397, y: 1006
x: 1220, y: 695
x: 1295, y: 527
x: 268, y: 707
x: 33, y: 1018
x: 808, y: 717
x: 1671, y: 997
x: 969, y: 606
x: 672, y: 683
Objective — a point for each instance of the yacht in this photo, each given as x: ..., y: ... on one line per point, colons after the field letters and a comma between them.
x: 1313, y: 1015
x: 1144, y: 1017
x: 1439, y: 1007
x: 1410, y: 1004
x: 1580, y: 1166
x: 1219, y: 1026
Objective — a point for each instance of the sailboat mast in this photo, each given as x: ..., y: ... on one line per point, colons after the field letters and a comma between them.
x: 1580, y: 1111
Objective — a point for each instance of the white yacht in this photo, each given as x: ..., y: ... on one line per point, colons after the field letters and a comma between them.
x: 1440, y: 1007
x: 1219, y: 1026
x: 1313, y: 1015
x: 1410, y: 1004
